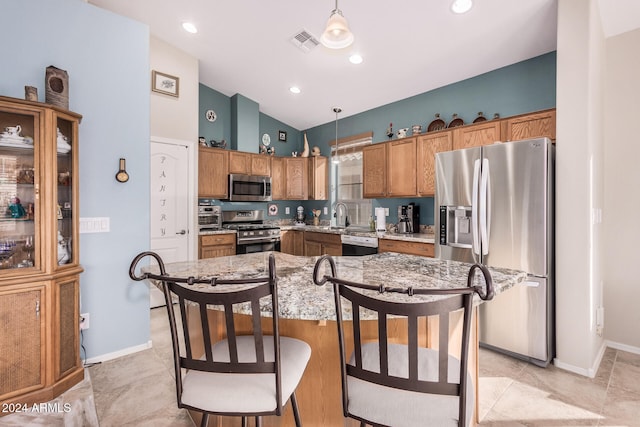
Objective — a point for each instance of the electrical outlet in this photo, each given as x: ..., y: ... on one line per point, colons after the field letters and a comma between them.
x: 326, y: 210
x: 386, y: 211
x: 287, y: 211
x: 84, y: 321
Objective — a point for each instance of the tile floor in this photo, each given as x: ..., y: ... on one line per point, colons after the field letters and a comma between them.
x: 139, y: 390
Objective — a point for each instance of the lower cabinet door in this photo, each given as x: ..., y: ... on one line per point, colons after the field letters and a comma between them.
x: 23, y: 340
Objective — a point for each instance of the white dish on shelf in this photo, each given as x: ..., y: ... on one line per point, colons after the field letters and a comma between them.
x: 14, y: 143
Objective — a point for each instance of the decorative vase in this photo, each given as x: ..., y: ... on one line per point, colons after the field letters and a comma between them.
x: 305, y: 152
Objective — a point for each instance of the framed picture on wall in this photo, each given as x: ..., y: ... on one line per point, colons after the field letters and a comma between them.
x: 282, y: 136
x: 165, y: 83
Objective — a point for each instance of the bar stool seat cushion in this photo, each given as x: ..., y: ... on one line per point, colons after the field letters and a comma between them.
x: 401, y: 408
x: 246, y: 393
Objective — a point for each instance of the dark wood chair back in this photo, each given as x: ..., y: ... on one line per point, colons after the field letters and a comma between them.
x: 364, y: 304
x: 224, y: 293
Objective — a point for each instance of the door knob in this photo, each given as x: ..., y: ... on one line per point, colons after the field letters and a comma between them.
x: 182, y: 232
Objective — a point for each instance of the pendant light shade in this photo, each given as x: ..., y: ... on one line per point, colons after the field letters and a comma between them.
x: 337, y: 34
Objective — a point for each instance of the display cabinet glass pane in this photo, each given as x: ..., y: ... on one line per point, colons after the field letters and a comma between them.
x: 18, y: 188
x: 65, y: 177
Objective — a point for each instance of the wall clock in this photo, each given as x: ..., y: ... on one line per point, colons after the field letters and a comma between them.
x: 266, y: 140
x: 211, y: 115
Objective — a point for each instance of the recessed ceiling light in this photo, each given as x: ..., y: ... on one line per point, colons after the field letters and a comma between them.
x: 355, y: 59
x: 189, y: 27
x: 461, y: 6
x: 294, y: 89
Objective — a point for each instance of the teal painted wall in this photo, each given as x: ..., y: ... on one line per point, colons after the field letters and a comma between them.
x: 519, y: 88
x: 244, y: 124
x: 211, y: 99
x: 107, y: 58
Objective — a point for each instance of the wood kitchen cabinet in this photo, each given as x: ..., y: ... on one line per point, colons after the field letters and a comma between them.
x: 427, y: 147
x: 318, y: 178
x: 239, y: 162
x: 316, y: 244
x: 401, y: 168
x: 532, y: 125
x: 278, y: 180
x: 260, y: 164
x: 296, y: 178
x: 39, y: 253
x: 374, y: 171
x: 292, y: 242
x: 405, y: 247
x: 215, y: 245
x: 477, y: 135
x: 213, y: 173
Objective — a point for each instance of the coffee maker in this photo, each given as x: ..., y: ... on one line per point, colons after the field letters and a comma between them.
x: 408, y: 218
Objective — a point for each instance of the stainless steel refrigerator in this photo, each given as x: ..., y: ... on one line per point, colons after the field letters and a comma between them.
x: 494, y: 205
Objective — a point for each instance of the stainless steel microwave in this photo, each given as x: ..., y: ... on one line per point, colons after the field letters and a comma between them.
x: 249, y: 188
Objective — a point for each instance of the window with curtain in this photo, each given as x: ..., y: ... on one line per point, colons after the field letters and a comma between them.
x: 347, y: 177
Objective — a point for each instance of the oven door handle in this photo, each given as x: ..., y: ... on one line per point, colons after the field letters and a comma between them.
x: 259, y: 240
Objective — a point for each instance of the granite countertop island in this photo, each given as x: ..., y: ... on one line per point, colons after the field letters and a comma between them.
x: 299, y: 298
x: 307, y: 312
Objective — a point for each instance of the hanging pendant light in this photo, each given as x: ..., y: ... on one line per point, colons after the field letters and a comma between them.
x: 337, y: 34
x: 335, y: 158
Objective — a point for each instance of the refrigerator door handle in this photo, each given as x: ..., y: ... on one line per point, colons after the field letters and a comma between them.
x: 485, y: 206
x: 474, y: 208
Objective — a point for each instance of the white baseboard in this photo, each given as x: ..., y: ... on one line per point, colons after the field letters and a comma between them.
x: 623, y: 347
x: 586, y: 372
x: 119, y: 353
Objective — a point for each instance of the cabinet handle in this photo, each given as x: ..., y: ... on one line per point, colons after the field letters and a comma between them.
x: 37, y: 308
x: 37, y: 190
x: 182, y: 232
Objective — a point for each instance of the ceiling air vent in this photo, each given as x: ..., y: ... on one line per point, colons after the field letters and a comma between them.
x: 304, y: 41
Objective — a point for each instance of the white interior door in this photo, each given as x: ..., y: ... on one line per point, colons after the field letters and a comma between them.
x: 171, y: 206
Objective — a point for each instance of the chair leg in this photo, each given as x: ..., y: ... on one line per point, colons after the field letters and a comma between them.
x: 244, y: 421
x: 294, y: 406
x: 258, y: 421
x: 205, y: 419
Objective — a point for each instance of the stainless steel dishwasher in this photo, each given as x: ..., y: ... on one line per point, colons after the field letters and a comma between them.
x: 358, y: 245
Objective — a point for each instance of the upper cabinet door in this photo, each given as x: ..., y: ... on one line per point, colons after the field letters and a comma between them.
x: 66, y: 189
x: 476, y: 135
x: 318, y: 178
x: 278, y: 183
x: 21, y: 183
x: 296, y: 175
x: 428, y: 146
x: 213, y: 173
x: 260, y: 164
x: 401, y: 168
x: 374, y: 171
x: 239, y: 162
x: 541, y: 124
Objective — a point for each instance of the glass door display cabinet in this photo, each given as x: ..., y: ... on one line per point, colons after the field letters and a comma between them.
x: 39, y: 257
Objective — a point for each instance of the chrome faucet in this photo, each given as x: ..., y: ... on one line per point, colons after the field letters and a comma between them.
x: 338, y: 216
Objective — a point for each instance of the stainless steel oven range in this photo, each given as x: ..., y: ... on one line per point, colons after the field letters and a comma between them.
x: 253, y: 235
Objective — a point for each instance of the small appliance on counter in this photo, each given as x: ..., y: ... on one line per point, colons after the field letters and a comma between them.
x: 300, y: 216
x: 408, y: 219
x: 381, y: 220
x: 209, y: 216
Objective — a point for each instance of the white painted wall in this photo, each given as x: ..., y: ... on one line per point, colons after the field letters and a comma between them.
x: 579, y: 185
x: 175, y: 120
x: 171, y: 117
x: 622, y: 199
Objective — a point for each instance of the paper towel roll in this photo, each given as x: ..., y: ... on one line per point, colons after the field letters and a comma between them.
x: 381, y: 220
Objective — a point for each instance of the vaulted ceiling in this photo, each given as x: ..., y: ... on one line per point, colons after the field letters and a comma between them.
x: 409, y: 47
